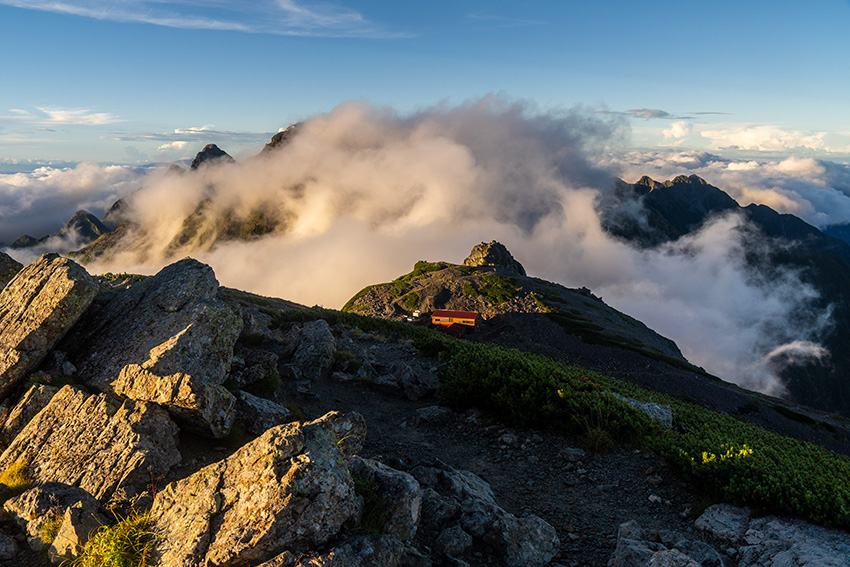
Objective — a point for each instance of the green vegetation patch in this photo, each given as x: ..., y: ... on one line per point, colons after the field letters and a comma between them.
x: 411, y: 300
x: 399, y: 288
x: 423, y: 267
x: 498, y: 289
x: 470, y: 290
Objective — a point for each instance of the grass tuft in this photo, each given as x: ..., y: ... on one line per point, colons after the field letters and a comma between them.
x: 128, y: 543
x: 16, y: 477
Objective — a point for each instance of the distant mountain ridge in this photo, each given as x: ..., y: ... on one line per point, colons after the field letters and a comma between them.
x: 683, y: 205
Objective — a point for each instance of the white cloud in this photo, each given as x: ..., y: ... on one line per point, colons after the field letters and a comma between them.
x: 172, y: 146
x: 55, y: 116
x: 77, y: 116
x: 678, y: 131
x: 194, y: 129
x: 765, y: 139
x: 41, y: 201
x: 279, y: 17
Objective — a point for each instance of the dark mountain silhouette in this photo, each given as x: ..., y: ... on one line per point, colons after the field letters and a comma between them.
x: 774, y: 243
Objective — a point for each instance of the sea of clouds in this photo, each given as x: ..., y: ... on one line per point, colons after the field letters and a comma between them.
x: 364, y: 193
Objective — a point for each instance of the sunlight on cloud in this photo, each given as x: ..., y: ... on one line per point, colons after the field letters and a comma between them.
x: 764, y: 139
x: 361, y: 193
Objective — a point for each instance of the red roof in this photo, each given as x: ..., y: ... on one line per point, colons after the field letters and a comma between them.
x: 455, y: 314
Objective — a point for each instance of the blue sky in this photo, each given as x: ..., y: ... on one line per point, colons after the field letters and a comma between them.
x: 153, y: 81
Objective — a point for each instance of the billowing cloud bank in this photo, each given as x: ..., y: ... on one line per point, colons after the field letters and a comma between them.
x: 362, y: 193
x: 40, y: 202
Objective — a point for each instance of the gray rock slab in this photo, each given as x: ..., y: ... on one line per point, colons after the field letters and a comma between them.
x: 166, y: 339
x: 288, y: 490
x: 41, y: 303
x: 96, y: 443
x: 32, y: 402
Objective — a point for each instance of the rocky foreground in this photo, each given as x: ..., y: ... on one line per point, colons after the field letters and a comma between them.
x: 247, y: 441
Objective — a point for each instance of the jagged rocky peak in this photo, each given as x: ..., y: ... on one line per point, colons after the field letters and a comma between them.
x: 210, y: 154
x: 85, y: 225
x: 282, y: 138
x: 494, y: 254
x: 686, y: 180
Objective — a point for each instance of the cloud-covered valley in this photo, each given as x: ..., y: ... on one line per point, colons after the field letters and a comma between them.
x: 361, y: 193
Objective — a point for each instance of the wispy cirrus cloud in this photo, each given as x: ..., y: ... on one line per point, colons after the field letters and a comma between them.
x: 278, y: 17
x: 46, y: 116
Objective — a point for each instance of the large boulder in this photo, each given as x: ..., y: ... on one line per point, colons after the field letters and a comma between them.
x: 167, y: 340
x: 37, y: 308
x: 315, y: 349
x: 662, y: 548
x: 46, y: 503
x: 96, y: 443
x: 288, y: 490
x: 398, y: 493
x: 461, y: 501
x: 9, y: 267
x: 771, y: 540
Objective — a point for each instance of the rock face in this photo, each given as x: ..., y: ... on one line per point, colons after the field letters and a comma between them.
x: 494, y: 254
x: 43, y: 503
x: 166, y: 340
x: 288, y: 490
x: 37, y: 308
x: 281, y: 139
x: 32, y: 402
x: 637, y: 547
x: 770, y: 540
x: 9, y: 267
x: 461, y: 501
x: 96, y: 443
x: 315, y: 351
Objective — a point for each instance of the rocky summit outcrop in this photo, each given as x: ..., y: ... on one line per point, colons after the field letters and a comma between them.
x: 9, y: 267
x: 496, y: 255
x: 37, y: 308
x: 167, y: 340
x: 288, y: 490
x: 97, y: 443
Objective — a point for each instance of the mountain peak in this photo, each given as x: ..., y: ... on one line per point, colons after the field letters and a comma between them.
x: 282, y: 138
x: 494, y: 254
x: 686, y: 180
x: 210, y: 153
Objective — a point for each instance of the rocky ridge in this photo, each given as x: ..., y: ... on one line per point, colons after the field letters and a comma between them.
x: 491, y: 282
